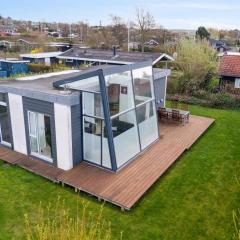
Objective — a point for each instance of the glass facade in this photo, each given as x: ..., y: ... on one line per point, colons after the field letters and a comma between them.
x: 120, y: 92
x: 125, y: 136
x: 118, y: 115
x: 143, y: 85
x: 133, y: 112
x: 147, y: 124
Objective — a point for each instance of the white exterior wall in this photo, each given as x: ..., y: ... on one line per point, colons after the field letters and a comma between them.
x: 63, y: 129
x: 17, y: 122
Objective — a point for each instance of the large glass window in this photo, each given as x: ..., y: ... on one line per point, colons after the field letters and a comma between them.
x: 5, y: 126
x: 125, y: 136
x: 120, y: 92
x: 92, y: 139
x: 40, y: 135
x: 143, y: 84
x: 147, y: 123
x: 88, y: 84
x: 95, y: 140
x: 92, y: 104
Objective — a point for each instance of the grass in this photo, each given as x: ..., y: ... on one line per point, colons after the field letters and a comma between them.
x: 195, y: 199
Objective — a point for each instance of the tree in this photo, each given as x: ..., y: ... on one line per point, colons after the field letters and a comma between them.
x: 197, y: 62
x: 202, y: 33
x: 145, y: 22
x: 119, y: 29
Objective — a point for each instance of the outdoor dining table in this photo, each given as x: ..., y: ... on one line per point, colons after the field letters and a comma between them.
x: 183, y: 114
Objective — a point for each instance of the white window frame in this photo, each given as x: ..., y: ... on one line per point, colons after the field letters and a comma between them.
x: 237, y: 83
x: 4, y: 104
x: 38, y: 155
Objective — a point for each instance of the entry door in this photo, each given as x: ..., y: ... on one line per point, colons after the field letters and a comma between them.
x: 5, y: 136
x: 40, y: 135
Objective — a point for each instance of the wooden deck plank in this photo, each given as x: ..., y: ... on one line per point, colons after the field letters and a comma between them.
x: 127, y: 186
x: 33, y: 165
x: 40, y: 168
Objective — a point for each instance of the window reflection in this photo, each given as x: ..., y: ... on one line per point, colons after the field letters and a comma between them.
x: 92, y: 104
x: 125, y: 133
x: 120, y: 92
x: 143, y: 85
x: 147, y: 124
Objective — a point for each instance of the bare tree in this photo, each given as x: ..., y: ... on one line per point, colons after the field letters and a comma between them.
x: 145, y: 22
x: 119, y: 29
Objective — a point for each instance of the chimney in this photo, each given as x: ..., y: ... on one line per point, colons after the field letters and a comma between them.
x: 114, y: 51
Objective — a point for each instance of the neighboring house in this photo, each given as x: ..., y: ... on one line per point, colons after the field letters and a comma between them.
x: 151, y: 43
x: 46, y: 58
x: 55, y: 34
x: 78, y: 56
x: 12, y: 67
x: 6, y: 44
x: 134, y: 45
x: 229, y: 70
x: 24, y: 44
x: 60, y: 46
x: 8, y: 30
x: 219, y: 45
x: 105, y: 116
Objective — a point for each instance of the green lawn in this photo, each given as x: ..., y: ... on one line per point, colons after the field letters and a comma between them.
x: 193, y: 200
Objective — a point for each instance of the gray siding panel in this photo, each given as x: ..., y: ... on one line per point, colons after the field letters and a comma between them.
x: 159, y: 88
x: 30, y: 104
x: 76, y: 134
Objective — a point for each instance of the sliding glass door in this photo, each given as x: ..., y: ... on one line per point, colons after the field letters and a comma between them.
x: 40, y: 135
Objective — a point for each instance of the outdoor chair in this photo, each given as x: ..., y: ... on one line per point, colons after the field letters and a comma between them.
x: 185, y: 107
x: 176, y: 115
x: 162, y: 113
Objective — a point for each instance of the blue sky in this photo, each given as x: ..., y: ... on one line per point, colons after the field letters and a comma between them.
x: 183, y: 14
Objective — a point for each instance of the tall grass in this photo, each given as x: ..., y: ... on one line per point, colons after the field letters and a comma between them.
x: 236, y: 220
x: 56, y: 223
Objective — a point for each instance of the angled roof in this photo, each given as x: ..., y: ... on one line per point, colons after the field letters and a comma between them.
x: 230, y: 66
x: 121, y: 57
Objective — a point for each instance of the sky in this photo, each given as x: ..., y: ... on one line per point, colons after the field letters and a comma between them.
x: 172, y: 14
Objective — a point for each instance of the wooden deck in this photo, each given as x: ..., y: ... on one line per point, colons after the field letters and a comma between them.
x: 127, y: 186
x: 33, y: 165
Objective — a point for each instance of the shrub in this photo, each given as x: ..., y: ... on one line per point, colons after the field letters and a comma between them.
x: 56, y: 223
x: 38, y: 67
x: 215, y: 100
x: 42, y: 68
x: 198, y: 64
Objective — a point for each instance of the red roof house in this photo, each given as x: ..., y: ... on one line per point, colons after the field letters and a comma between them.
x: 229, y: 69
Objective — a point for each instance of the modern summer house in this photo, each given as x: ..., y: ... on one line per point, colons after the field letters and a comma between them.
x: 105, y: 116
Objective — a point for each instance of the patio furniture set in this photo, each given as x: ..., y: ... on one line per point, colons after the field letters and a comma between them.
x: 174, y: 114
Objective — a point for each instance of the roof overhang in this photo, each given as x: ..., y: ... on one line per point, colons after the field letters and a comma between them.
x: 94, y: 60
x: 163, y: 56
x: 40, y: 55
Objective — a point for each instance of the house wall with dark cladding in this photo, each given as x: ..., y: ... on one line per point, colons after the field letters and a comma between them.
x: 160, y: 91
x: 77, y: 144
